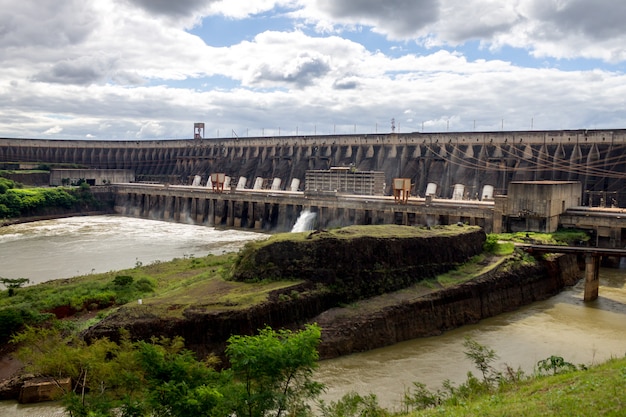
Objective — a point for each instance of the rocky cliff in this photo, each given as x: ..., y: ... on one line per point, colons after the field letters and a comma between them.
x: 335, y: 272
x: 357, y: 262
x: 506, y: 288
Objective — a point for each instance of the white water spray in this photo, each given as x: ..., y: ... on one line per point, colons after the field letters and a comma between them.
x: 306, y: 221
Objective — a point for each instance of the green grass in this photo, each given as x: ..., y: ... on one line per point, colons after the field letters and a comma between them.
x: 597, y: 391
x: 478, y: 265
x: 162, y: 286
x: 386, y: 231
x: 560, y: 237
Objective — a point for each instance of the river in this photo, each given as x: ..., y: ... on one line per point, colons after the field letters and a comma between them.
x: 73, y: 246
x: 582, y: 333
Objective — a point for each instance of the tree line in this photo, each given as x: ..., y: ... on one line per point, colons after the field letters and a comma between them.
x: 16, y: 201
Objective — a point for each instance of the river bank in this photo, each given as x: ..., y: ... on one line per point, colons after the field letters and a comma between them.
x: 381, y: 320
x: 63, y: 214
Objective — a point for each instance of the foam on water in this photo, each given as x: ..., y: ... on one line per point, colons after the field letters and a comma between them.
x: 75, y: 246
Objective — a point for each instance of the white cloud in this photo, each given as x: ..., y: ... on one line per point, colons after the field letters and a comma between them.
x: 53, y: 131
x: 241, y: 9
x: 126, y: 69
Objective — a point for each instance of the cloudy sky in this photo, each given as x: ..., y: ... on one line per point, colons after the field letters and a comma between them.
x: 149, y: 69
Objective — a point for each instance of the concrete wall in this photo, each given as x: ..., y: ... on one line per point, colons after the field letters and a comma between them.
x: 59, y: 176
x: 475, y: 160
x: 537, y: 205
x: 542, y: 198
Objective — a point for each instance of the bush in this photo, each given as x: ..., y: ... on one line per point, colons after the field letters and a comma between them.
x: 144, y: 285
x: 5, y: 184
x: 354, y: 405
x: 491, y: 243
x: 123, y: 280
x: 11, y: 320
x: 554, y: 365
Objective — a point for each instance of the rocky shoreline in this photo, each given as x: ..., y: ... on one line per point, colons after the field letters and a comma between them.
x: 408, y: 316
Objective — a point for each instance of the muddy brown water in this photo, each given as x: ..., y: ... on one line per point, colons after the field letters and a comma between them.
x: 582, y: 333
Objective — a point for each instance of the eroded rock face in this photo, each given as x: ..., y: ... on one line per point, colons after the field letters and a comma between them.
x: 361, y: 267
x: 501, y: 290
x: 496, y: 292
x: 44, y: 389
x: 336, y: 271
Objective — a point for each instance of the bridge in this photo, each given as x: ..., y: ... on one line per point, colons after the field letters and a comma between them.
x: 592, y: 257
x: 276, y: 210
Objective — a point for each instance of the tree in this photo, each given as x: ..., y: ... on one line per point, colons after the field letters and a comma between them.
x: 13, y: 283
x: 273, y: 372
x: 483, y: 357
x: 270, y: 374
x: 178, y: 385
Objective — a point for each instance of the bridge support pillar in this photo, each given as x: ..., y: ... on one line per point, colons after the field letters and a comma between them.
x: 230, y: 220
x: 144, y: 209
x: 211, y: 212
x: 193, y: 209
x: 250, y: 215
x: 200, y: 210
x: 258, y: 215
x: 177, y: 207
x: 169, y: 208
x: 592, y: 277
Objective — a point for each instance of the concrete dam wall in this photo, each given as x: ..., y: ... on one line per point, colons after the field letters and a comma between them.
x: 474, y: 165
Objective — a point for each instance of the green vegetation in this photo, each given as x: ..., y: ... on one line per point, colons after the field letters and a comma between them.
x: 354, y: 405
x: 372, y: 231
x: 20, y: 202
x: 182, y: 283
x: 478, y: 265
x: 270, y: 374
x: 274, y: 371
x: 493, y: 244
x: 560, y: 237
x: 597, y: 391
x: 7, y: 184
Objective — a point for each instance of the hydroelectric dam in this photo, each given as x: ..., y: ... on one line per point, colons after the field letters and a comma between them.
x: 454, y: 177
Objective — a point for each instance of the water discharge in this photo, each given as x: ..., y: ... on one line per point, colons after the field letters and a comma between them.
x: 564, y: 325
x: 64, y: 248
x: 305, y: 221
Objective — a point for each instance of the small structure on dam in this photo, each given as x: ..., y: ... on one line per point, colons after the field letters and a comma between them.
x: 536, y: 205
x: 346, y: 180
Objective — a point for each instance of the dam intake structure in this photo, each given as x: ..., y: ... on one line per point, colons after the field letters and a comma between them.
x: 459, y: 166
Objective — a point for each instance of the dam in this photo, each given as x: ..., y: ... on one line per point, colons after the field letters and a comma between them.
x: 464, y: 178
x: 462, y: 166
